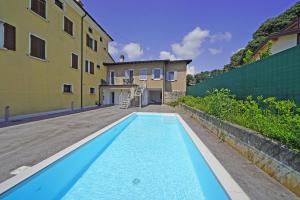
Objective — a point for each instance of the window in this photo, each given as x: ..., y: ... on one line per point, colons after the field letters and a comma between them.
x: 90, y: 30
x: 68, y: 26
x: 87, y: 66
x: 89, y: 41
x: 171, y: 76
x: 37, y: 47
x: 92, y: 71
x: 98, y: 66
x: 101, y: 40
x: 156, y: 74
x: 74, y: 61
x: 7, y: 36
x: 92, y: 90
x: 95, y: 45
x: 59, y: 4
x: 143, y: 74
x: 67, y: 88
x: 39, y: 7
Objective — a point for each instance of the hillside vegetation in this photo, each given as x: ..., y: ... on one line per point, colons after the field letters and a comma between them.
x: 270, y: 26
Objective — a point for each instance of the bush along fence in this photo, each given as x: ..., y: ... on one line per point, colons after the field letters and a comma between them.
x: 280, y: 161
x: 275, y: 76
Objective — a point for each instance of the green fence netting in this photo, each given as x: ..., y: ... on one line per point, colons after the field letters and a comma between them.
x: 275, y: 76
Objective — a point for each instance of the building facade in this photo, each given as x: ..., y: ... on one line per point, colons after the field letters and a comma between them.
x: 51, y: 56
x: 144, y: 82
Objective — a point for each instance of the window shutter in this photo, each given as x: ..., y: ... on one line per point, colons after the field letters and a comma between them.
x: 74, y: 61
x: 152, y: 73
x: 9, y: 37
x: 91, y: 67
x: 175, y: 75
x: 95, y: 45
x: 39, y: 7
x: 161, y: 74
x: 38, y: 47
x: 86, y: 66
x: 167, y: 76
x: 127, y: 74
x: 87, y: 39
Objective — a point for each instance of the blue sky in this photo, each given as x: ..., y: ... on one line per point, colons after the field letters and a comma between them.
x: 206, y: 31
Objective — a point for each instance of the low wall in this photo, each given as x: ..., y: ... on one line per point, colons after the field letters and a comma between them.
x: 275, y: 159
x: 173, y: 96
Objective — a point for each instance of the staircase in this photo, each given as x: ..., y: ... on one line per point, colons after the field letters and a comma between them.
x: 125, y: 102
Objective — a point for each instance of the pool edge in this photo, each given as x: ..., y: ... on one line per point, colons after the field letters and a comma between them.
x: 232, y: 188
x: 15, y: 180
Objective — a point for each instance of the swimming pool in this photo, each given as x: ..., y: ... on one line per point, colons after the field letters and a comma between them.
x: 142, y: 156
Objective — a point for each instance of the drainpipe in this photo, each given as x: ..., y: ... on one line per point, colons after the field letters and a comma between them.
x: 164, y: 82
x: 81, y: 70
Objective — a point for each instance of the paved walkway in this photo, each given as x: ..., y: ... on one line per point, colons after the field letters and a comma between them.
x: 30, y: 143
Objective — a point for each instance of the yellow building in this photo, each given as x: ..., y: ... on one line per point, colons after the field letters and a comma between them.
x: 51, y: 57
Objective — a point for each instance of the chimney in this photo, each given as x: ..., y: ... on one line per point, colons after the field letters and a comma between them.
x: 122, y: 58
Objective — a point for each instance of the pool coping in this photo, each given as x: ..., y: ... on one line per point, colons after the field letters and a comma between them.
x: 233, y: 190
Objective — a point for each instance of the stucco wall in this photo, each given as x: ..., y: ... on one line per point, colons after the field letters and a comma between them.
x: 29, y: 85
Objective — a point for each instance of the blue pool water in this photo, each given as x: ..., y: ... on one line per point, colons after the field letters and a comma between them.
x: 145, y: 157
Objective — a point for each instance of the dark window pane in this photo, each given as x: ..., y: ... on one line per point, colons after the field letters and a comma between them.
x: 92, y: 90
x: 37, y: 47
x: 67, y: 88
x: 74, y: 61
x: 9, y: 37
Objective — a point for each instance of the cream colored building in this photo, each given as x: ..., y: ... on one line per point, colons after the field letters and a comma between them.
x: 283, y: 40
x: 144, y: 82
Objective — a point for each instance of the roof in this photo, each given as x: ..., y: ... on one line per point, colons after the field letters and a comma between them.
x: 86, y: 12
x: 147, y: 61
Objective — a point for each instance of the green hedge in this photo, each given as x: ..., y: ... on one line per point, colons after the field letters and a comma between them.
x: 276, y: 119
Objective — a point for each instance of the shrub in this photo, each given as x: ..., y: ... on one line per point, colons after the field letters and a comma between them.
x: 276, y: 119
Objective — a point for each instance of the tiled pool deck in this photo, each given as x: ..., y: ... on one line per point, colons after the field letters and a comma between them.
x: 29, y: 143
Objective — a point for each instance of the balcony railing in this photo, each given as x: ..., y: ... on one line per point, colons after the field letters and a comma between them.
x: 128, y: 81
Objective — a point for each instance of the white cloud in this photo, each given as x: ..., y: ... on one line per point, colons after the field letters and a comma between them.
x: 227, y: 36
x: 190, y: 47
x: 191, y: 70
x: 215, y: 51
x: 165, y: 55
x: 113, y: 48
x: 133, y: 50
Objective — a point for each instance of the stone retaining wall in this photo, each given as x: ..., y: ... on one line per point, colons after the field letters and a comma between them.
x: 173, y: 96
x: 272, y: 157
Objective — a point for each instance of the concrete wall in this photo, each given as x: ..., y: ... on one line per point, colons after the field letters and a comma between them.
x: 30, y: 85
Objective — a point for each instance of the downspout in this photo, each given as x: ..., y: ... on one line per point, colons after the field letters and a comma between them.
x: 81, y: 70
x: 164, y: 83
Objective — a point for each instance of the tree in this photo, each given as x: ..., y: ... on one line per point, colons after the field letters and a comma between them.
x: 267, y: 52
x: 248, y: 57
x: 190, y: 80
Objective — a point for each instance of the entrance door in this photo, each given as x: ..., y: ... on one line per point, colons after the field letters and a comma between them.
x: 113, y: 98
x: 111, y: 77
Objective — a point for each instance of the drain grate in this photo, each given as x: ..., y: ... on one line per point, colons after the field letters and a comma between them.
x: 136, y: 181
